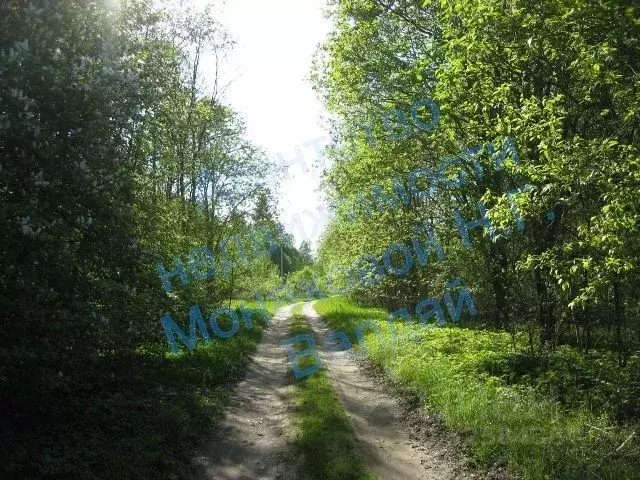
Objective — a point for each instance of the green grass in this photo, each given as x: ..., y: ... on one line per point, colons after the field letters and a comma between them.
x: 143, y: 416
x: 324, y: 436
x: 501, y: 399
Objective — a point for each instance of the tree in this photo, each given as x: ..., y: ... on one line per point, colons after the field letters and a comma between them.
x: 105, y: 131
x: 557, y: 79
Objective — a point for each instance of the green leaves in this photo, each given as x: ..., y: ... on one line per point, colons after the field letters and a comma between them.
x: 101, y: 142
x: 562, y: 79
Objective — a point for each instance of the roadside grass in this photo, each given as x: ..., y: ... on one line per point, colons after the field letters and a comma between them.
x: 142, y: 416
x: 536, y: 416
x: 324, y: 437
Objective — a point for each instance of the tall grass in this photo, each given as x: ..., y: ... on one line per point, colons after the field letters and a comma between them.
x: 143, y: 416
x: 508, y: 419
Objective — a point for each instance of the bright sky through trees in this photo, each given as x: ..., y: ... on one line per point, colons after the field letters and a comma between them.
x: 268, y: 71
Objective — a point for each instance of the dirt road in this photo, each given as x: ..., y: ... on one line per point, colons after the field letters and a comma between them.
x: 250, y: 444
x: 384, y: 438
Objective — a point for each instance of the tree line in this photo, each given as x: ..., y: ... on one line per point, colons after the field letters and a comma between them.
x: 560, y: 79
x: 116, y: 153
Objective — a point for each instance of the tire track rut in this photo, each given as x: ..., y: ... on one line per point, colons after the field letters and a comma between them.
x: 250, y: 443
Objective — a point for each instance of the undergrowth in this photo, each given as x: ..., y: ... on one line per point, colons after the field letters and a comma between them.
x: 543, y: 418
x: 136, y: 417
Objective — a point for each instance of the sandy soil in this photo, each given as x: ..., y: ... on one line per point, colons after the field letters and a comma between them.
x: 250, y: 443
x: 395, y: 438
x: 392, y: 436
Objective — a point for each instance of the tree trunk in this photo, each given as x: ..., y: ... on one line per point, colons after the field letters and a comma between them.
x: 620, y: 346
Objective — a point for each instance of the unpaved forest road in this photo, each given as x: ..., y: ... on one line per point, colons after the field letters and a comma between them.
x: 250, y: 443
x: 383, y: 436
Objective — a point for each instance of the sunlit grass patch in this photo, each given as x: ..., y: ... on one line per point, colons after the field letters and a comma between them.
x: 323, y: 434
x: 479, y: 383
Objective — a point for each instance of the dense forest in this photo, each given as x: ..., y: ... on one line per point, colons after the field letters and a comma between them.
x: 561, y: 80
x: 484, y: 157
x: 497, y: 140
x: 116, y: 157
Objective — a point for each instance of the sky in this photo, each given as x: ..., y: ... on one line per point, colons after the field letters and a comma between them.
x: 269, y: 71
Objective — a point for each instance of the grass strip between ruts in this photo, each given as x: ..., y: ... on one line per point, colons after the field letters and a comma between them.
x: 324, y: 436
